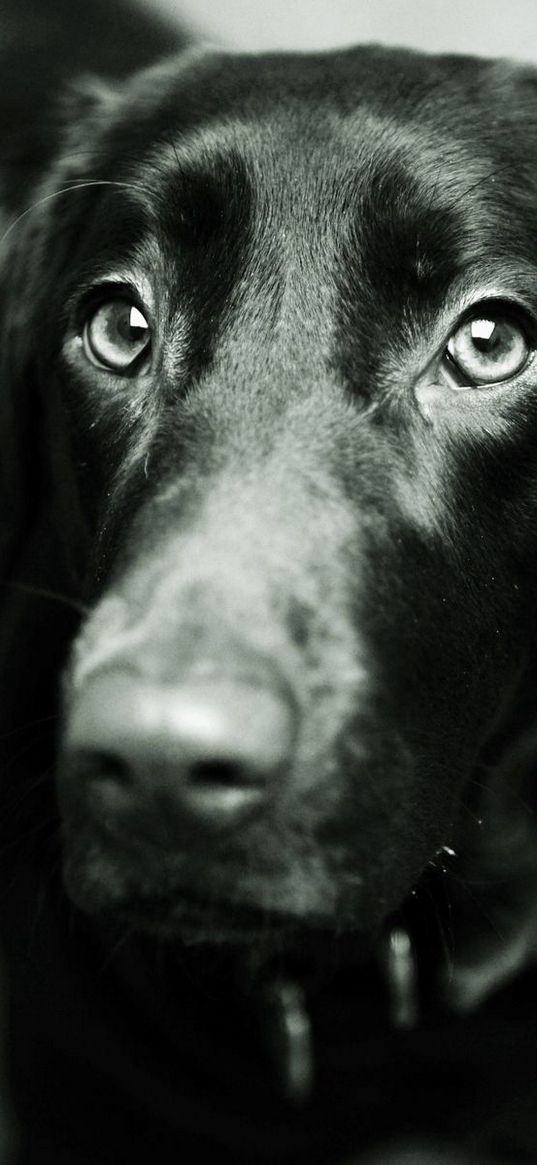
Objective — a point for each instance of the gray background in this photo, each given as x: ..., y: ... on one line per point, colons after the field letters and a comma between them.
x: 489, y: 27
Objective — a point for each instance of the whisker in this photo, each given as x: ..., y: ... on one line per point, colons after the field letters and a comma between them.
x: 28, y: 840
x: 45, y: 593
x: 21, y: 796
x: 90, y: 182
x: 111, y: 954
x: 497, y: 796
x: 28, y: 746
x: 27, y: 726
x: 489, y: 176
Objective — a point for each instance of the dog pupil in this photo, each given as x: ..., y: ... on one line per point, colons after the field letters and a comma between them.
x: 131, y: 325
x: 494, y: 340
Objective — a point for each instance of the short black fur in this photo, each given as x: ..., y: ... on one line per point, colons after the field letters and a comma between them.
x: 290, y: 509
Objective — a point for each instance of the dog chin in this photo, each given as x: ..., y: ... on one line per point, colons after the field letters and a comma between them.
x: 98, y: 890
x: 184, y: 918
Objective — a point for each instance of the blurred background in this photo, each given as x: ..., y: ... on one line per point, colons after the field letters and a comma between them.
x: 486, y: 27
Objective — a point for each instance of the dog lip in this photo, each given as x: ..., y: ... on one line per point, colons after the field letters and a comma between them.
x: 190, y: 918
x: 212, y: 912
x: 199, y: 925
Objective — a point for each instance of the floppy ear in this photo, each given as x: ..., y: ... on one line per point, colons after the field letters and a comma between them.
x: 35, y: 554
x: 22, y: 276
x: 68, y: 40
x: 18, y: 444
x: 492, y: 886
x: 19, y: 440
x: 42, y: 534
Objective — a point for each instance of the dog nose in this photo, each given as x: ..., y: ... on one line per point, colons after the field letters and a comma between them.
x: 206, y: 753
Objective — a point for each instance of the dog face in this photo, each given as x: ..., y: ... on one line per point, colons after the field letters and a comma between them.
x: 286, y: 317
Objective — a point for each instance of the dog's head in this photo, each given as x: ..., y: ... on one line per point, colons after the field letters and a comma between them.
x: 282, y: 317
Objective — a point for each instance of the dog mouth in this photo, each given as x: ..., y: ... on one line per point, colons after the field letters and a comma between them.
x: 175, y: 909
x: 236, y: 895
x: 194, y: 920
x: 192, y: 897
x: 187, y: 916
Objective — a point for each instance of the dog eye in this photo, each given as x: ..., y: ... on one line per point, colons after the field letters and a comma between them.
x: 487, y: 349
x: 116, y: 335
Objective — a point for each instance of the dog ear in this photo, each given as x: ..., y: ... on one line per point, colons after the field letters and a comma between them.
x: 34, y: 233
x: 23, y: 233
x: 37, y: 232
x: 492, y: 881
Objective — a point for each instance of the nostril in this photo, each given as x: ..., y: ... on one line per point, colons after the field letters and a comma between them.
x: 93, y: 765
x: 222, y: 774
x: 298, y: 622
x: 112, y: 768
x: 210, y: 752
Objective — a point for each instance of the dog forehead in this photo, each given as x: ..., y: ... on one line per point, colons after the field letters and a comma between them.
x: 202, y: 84
x: 313, y: 185
x: 381, y: 171
x: 334, y: 123
x: 451, y: 94
x: 327, y: 105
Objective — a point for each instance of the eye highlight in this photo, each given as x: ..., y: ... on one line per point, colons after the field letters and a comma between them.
x: 117, y: 335
x: 489, y: 347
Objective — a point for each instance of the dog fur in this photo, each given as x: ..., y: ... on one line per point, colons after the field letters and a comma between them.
x: 295, y: 506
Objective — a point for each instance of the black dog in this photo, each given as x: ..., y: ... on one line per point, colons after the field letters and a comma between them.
x: 268, y: 342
